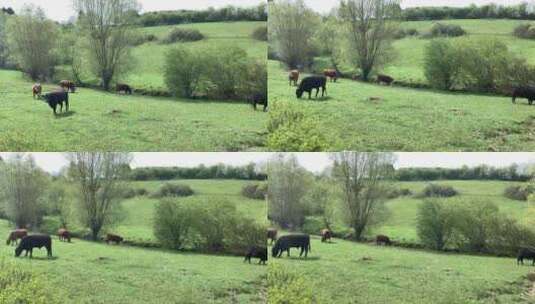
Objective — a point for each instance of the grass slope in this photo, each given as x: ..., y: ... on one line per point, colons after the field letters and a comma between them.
x: 411, y: 120
x: 103, y: 121
x: 345, y: 272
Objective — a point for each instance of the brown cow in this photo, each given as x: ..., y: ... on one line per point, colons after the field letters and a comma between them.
x: 64, y: 235
x: 113, y: 238
x: 383, y: 240
x: 37, y: 89
x: 385, y: 79
x: 293, y: 77
x: 68, y: 85
x: 272, y: 234
x: 326, y: 234
x: 121, y: 87
x: 331, y: 73
x: 16, y: 235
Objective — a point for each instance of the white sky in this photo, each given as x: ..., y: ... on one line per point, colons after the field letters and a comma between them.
x: 327, y: 5
x: 53, y: 162
x: 61, y: 10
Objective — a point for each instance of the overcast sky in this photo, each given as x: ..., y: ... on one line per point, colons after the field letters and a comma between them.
x: 61, y: 10
x: 53, y: 162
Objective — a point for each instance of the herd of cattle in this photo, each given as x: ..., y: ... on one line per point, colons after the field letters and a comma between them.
x: 60, y: 97
x: 318, y: 82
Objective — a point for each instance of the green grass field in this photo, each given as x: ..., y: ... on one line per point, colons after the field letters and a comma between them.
x: 138, y: 223
x: 345, y: 272
x: 88, y: 272
x: 405, y: 119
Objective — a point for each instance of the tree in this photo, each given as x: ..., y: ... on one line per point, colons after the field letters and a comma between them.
x: 59, y: 202
x: 183, y: 71
x: 371, y: 25
x: 108, y: 26
x: 100, y: 179
x: 31, y: 39
x: 22, y: 185
x: 292, y: 25
x: 434, y: 224
x: 363, y: 179
x: 3, y: 40
x: 287, y: 185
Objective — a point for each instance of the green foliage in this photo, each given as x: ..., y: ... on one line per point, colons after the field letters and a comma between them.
x: 254, y: 191
x: 441, y: 66
x: 434, y: 224
x: 183, y: 70
x: 260, y: 33
x: 525, y: 31
x: 19, y: 286
x: 183, y: 35
x: 519, y: 192
x: 288, y: 287
x: 219, y: 171
x: 173, y: 221
x: 436, y: 190
x: 225, y: 70
x: 447, y: 30
x: 313, y: 225
x: 172, y: 189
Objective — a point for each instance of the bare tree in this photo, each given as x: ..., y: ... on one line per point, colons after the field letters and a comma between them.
x: 363, y: 179
x: 22, y: 185
x: 108, y: 28
x: 287, y: 186
x: 292, y: 25
x: 31, y: 41
x: 100, y: 177
x: 371, y: 25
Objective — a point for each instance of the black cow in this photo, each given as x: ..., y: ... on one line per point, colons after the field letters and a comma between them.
x: 310, y: 83
x: 285, y: 242
x: 121, y: 87
x: 384, y: 79
x: 257, y: 252
x: 57, y: 98
x: 260, y: 99
x: 383, y: 240
x: 525, y: 253
x: 30, y: 242
x: 527, y: 92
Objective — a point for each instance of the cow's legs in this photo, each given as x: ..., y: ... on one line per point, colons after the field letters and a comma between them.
x: 67, y: 106
x: 530, y: 102
x: 310, y: 94
x: 49, y: 251
x: 302, y: 250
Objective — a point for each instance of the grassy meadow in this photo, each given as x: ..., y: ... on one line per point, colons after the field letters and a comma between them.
x: 346, y: 272
x: 370, y: 117
x: 89, y: 272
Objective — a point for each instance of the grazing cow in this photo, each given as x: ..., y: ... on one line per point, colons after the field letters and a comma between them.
x: 64, y: 235
x: 525, y: 253
x: 30, y: 242
x: 527, y: 92
x: 272, y: 235
x: 331, y: 73
x: 293, y: 77
x: 326, y: 234
x: 37, y: 89
x: 383, y: 240
x: 257, y: 252
x: 15, y: 235
x: 310, y: 83
x: 113, y: 238
x: 57, y: 98
x: 385, y: 79
x: 68, y: 85
x: 260, y: 99
x: 285, y: 242
x: 121, y: 87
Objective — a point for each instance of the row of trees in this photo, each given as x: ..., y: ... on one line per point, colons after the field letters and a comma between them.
x: 228, y: 13
x: 220, y: 171
x: 481, y: 172
x: 525, y: 10
x: 93, y: 182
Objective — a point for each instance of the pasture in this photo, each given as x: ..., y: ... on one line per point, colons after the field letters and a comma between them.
x: 110, y: 122
x: 87, y: 272
x: 348, y: 272
x: 371, y: 117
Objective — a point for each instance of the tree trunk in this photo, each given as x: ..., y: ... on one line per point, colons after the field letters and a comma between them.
x: 94, y: 233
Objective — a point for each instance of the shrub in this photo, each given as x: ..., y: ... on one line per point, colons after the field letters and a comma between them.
x: 142, y: 39
x: 434, y: 224
x: 518, y: 192
x: 288, y: 287
x: 169, y: 189
x: 183, y: 35
x: 225, y: 70
x: 313, y: 225
x: 243, y: 234
x: 397, y: 192
x: 436, y: 190
x: 254, y: 191
x: 183, y: 71
x: 525, y: 31
x: 260, y: 33
x: 412, y: 32
x: 440, y: 64
x: 173, y: 221
x: 21, y: 286
x: 447, y: 30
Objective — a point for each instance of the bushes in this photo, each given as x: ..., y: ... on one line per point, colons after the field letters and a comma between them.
x: 519, y: 192
x: 254, y: 191
x: 440, y: 64
x: 434, y: 224
x: 447, y: 30
x: 133, y: 192
x: 142, y: 39
x: 173, y: 222
x: 183, y: 35
x: 288, y: 287
x: 435, y: 190
x: 402, y: 33
x: 19, y: 286
x: 220, y: 171
x: 183, y: 70
x: 525, y: 31
x: 169, y: 189
x: 397, y: 192
x: 260, y: 33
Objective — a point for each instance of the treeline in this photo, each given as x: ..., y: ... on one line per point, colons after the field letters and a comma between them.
x: 511, y: 173
x: 7, y: 10
x: 248, y: 172
x: 228, y: 13
x: 491, y: 11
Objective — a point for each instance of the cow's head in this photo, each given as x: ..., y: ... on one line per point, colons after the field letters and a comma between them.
x: 299, y: 93
x: 18, y: 250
